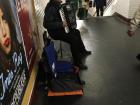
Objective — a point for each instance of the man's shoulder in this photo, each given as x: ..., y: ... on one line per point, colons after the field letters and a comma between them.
x: 50, y: 8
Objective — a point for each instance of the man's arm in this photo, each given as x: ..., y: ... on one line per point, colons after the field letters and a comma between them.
x: 50, y: 20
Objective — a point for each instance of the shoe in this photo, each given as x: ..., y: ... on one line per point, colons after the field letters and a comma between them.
x: 82, y: 67
x: 138, y: 57
x: 86, y: 53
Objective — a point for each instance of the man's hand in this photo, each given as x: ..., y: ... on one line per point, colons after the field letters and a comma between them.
x: 130, y: 33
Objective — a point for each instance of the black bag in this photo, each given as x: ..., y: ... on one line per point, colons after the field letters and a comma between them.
x: 65, y: 82
x: 41, y: 71
x: 82, y: 13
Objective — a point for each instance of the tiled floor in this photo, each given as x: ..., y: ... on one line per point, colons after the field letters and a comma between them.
x: 113, y: 75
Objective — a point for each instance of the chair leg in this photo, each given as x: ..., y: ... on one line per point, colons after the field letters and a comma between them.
x: 63, y: 53
x: 61, y: 50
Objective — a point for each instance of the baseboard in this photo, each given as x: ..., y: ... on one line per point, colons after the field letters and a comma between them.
x: 29, y: 92
x: 122, y: 17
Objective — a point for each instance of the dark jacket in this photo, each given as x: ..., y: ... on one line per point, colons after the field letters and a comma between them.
x: 99, y: 3
x: 52, y: 20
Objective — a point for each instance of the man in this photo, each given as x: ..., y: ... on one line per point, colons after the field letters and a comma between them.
x: 55, y: 27
x: 134, y: 25
x: 100, y: 6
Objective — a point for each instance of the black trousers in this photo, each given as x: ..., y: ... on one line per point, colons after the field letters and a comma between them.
x: 73, y: 38
x: 99, y: 10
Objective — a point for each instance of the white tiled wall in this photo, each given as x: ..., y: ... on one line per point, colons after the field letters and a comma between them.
x: 126, y: 8
x: 134, y: 4
x: 122, y: 7
x: 111, y: 9
x: 39, y: 9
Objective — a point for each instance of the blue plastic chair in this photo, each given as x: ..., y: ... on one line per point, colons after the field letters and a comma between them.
x: 55, y: 65
x: 65, y: 80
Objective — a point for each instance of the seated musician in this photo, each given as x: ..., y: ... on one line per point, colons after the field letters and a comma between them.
x: 55, y: 27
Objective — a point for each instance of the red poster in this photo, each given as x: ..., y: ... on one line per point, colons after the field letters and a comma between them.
x: 23, y: 13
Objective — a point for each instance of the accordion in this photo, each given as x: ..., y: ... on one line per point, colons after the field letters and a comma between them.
x: 68, y: 16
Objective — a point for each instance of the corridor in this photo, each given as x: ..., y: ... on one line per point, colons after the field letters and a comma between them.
x: 113, y: 75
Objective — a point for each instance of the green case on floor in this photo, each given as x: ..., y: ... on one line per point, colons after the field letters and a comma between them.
x: 82, y: 13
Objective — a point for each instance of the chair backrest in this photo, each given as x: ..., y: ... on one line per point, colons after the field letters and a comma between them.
x: 50, y: 52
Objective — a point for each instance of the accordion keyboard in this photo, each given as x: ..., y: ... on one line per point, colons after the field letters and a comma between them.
x: 61, y: 11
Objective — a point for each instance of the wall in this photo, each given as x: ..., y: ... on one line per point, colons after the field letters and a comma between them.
x: 111, y: 9
x: 122, y: 7
x: 125, y: 8
x: 39, y: 9
x: 133, y: 7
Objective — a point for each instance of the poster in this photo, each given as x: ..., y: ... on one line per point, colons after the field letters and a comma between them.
x: 25, y: 24
x: 13, y: 66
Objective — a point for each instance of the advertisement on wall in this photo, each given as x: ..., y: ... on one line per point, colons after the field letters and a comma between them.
x: 13, y: 67
x: 25, y: 24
